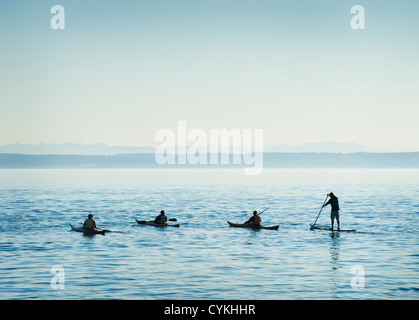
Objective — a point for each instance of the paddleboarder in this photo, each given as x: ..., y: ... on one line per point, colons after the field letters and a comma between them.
x: 161, y: 219
x: 334, y: 214
x: 255, y: 219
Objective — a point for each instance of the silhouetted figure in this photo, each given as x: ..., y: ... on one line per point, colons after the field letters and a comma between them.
x: 89, y: 223
x: 255, y: 220
x: 161, y: 219
x: 334, y: 203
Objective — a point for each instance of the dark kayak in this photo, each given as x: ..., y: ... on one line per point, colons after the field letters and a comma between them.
x: 152, y: 223
x: 87, y: 231
x: 248, y: 225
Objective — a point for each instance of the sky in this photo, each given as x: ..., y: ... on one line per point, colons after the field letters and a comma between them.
x: 121, y: 71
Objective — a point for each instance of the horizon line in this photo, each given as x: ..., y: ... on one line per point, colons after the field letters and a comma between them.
x: 305, y: 144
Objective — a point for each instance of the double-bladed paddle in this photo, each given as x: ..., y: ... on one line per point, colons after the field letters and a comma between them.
x: 105, y: 230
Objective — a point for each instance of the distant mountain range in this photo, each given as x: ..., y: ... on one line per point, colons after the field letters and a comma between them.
x: 103, y: 149
x: 328, y: 146
x: 270, y: 160
x: 71, y: 148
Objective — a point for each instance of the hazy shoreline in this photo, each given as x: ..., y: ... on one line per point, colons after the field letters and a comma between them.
x: 270, y: 160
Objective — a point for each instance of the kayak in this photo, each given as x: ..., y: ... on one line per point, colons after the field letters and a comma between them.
x: 330, y: 229
x: 152, y: 223
x: 87, y: 231
x: 247, y: 225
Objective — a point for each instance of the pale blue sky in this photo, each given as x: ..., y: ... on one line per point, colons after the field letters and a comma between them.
x: 121, y: 70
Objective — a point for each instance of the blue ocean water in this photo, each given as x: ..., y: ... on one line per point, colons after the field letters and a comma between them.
x: 205, y: 258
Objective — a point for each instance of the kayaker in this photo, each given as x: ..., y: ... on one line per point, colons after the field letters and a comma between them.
x: 89, y: 223
x: 334, y: 214
x: 255, y: 220
x: 161, y: 219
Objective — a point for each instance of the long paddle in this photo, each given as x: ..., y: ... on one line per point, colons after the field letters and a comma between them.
x: 263, y: 211
x: 312, y: 226
x: 114, y: 231
x: 100, y: 228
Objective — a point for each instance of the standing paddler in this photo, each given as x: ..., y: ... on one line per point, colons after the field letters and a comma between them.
x: 334, y: 214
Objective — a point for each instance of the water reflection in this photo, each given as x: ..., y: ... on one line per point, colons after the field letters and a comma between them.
x: 334, y: 251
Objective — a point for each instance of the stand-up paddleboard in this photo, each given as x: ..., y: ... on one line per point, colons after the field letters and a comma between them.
x: 330, y: 229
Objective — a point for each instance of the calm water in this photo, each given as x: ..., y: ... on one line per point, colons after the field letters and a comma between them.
x: 205, y: 258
